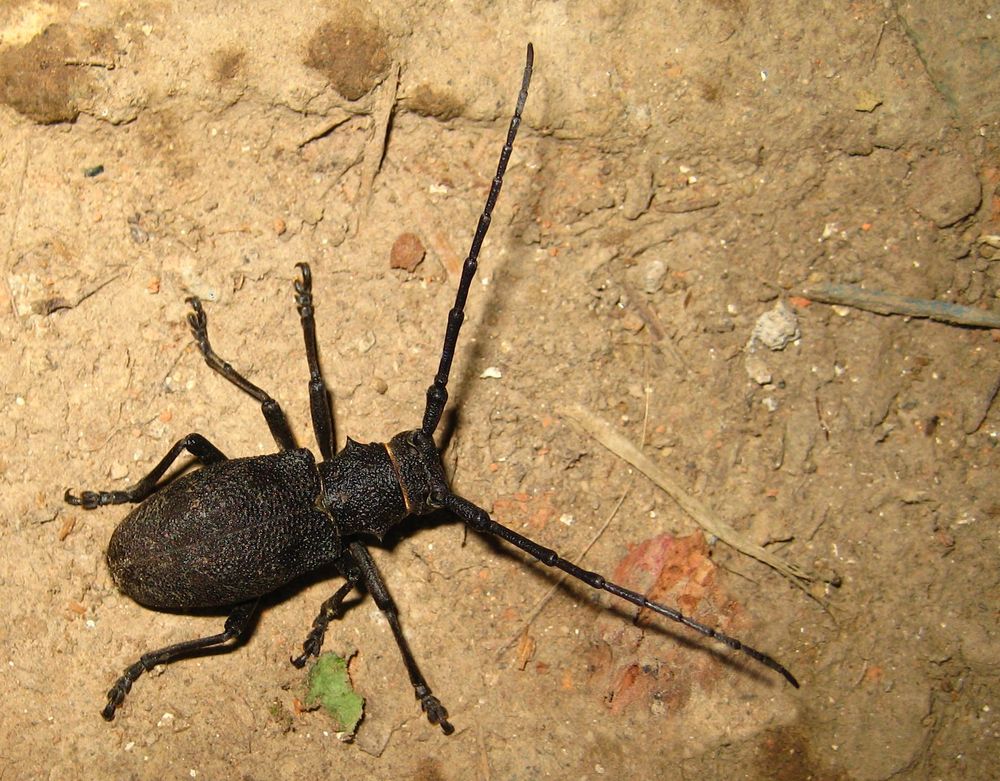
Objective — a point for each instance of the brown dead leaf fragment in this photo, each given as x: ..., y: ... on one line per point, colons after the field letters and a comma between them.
x: 640, y: 667
x: 672, y: 570
x: 69, y: 522
x: 634, y: 685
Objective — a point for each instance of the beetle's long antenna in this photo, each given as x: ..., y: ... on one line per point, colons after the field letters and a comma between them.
x: 480, y: 520
x: 437, y: 393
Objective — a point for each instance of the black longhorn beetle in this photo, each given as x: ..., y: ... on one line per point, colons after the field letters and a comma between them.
x: 236, y: 529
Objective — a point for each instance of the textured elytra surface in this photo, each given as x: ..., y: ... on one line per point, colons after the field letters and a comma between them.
x: 680, y: 170
x: 225, y: 534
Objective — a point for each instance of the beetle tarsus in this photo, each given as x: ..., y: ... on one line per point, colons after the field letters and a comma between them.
x: 237, y: 623
x: 116, y: 695
x: 435, y: 711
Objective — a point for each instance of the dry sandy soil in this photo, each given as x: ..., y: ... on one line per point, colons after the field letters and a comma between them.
x: 683, y: 169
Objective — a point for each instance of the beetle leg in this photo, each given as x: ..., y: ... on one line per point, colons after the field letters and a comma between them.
x: 319, y: 397
x: 195, y: 444
x: 431, y: 705
x: 276, y: 420
x: 329, y: 611
x: 236, y: 626
x: 480, y: 521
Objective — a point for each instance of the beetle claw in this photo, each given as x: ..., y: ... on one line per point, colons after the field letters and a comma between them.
x: 88, y: 500
x: 436, y: 713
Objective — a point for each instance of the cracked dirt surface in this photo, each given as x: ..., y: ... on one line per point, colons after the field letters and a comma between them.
x: 682, y: 170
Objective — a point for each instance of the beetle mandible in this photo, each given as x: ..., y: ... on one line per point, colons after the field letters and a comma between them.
x: 237, y: 529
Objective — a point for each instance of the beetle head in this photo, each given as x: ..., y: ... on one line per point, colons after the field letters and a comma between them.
x: 421, y: 475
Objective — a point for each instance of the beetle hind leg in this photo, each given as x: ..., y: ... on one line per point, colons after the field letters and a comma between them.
x: 236, y: 627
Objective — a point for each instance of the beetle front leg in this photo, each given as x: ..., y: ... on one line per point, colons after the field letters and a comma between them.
x: 195, y: 444
x: 273, y: 414
x: 319, y: 396
x: 431, y: 705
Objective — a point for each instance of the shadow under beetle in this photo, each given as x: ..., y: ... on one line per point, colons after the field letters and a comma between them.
x: 236, y: 529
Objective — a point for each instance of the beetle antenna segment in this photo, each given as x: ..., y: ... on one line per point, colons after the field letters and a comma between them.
x: 437, y: 393
x: 480, y: 521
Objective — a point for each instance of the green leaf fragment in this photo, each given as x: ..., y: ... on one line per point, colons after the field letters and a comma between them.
x: 330, y: 688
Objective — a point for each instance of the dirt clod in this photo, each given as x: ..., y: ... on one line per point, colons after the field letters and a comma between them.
x: 36, y: 81
x: 352, y: 52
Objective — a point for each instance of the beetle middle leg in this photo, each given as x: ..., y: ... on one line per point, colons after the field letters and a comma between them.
x: 329, y: 611
x: 195, y: 444
x: 236, y: 626
x: 275, y: 417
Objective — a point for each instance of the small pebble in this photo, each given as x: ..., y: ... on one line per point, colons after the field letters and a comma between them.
x: 365, y: 342
x: 136, y: 231
x: 653, y: 273
x: 407, y: 252
x: 632, y: 322
x: 776, y: 328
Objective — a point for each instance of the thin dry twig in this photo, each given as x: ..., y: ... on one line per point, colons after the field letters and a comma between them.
x: 19, y: 200
x: 701, y: 514
x: 375, y: 148
x: 328, y: 125
x: 484, y: 755
x: 878, y: 40
x: 884, y: 303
